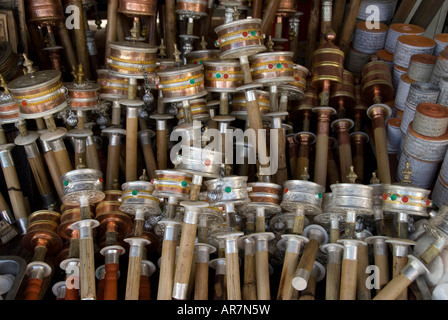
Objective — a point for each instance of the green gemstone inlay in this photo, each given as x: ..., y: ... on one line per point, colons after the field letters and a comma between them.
x: 228, y: 189
x: 253, y: 32
x: 393, y: 197
x: 66, y: 183
x: 319, y: 195
x: 279, y: 65
x: 184, y: 183
x: 134, y: 192
x: 192, y: 81
x: 218, y: 75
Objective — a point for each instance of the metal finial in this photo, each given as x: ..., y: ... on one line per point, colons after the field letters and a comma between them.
x: 235, y: 14
x: 162, y: 48
x: 28, y: 64
x: 143, y: 177
x: 81, y: 164
x: 352, y: 175
x: 135, y: 31
x: 270, y: 44
x: 177, y: 54
x: 259, y: 175
x: 3, y: 84
x: 407, y: 173
x: 115, y: 185
x: 203, y: 43
x: 80, y: 74
x: 74, y: 73
x: 374, y: 179
x: 305, y: 175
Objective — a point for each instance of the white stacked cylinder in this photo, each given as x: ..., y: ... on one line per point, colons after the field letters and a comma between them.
x: 443, y: 96
x: 430, y: 120
x: 421, y: 67
x: 393, y: 134
x: 440, y: 192
x: 441, y: 40
x: 441, y: 67
x: 405, y: 48
x: 402, y: 91
x: 367, y: 40
x: 356, y: 60
x: 398, y: 29
x: 397, y: 72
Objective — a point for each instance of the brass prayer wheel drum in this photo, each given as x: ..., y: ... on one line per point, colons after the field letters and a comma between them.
x: 302, y: 194
x: 369, y: 40
x: 222, y: 75
x: 296, y: 89
x: 409, y: 45
x: 137, y: 195
x: 112, y: 87
x: 172, y: 183
x: 199, y: 111
x: 197, y: 8
x: 399, y: 29
x: 45, y: 12
x: 441, y: 40
x: 328, y: 66
x: 70, y: 215
x: 351, y: 197
x: 197, y: 161
x: 230, y: 189
x: 201, y: 56
x: 42, y: 230
x: 83, y: 96
x: 240, y: 38
x: 111, y: 202
x: 181, y: 83
x: 376, y: 82
x: 9, y: 61
x: 430, y: 120
x: 239, y: 104
x: 9, y: 110
x: 38, y: 94
x: 138, y: 8
x: 82, y: 183
x: 132, y: 59
x: 271, y: 68
x: 344, y: 93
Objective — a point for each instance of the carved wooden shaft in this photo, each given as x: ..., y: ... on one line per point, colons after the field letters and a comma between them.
x: 349, y: 25
x: 131, y: 143
x: 349, y: 268
x: 81, y: 39
x: 111, y: 28
x: 323, y: 128
x: 168, y: 260
x: 249, y: 280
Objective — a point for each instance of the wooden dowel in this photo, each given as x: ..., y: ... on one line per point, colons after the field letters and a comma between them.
x: 185, y: 257
x: 92, y: 160
x: 171, y: 27
x: 233, y: 276
x: 167, y: 267
x: 333, y: 281
x: 133, y: 278
x: 81, y: 39
x: 286, y: 289
x: 348, y: 279
x: 268, y: 16
x: 87, y: 268
x: 313, y: 26
x: 201, y: 281
x: 257, y: 6
x: 349, y: 25
x: 111, y: 28
x: 262, y: 274
x: 249, y: 278
x: 362, y: 292
x: 111, y: 281
x: 150, y: 161
x: 394, y: 288
x: 63, y: 161
x: 113, y: 163
x: 131, y: 145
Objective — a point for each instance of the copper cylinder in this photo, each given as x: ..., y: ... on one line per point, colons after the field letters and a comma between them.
x: 272, y: 67
x: 84, y: 97
x: 376, y: 82
x: 47, y: 11
x: 111, y: 86
x: 68, y: 217
x: 9, y: 111
x: 138, y: 8
x: 9, y: 61
x: 223, y: 75
x: 199, y: 111
x: 343, y: 97
x: 42, y: 230
x: 201, y: 56
x: 171, y: 183
x: 328, y: 65
x: 132, y: 59
x: 191, y: 7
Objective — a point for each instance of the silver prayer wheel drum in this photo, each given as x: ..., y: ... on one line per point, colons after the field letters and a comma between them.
x: 424, y: 155
x: 430, y: 120
x: 172, y: 183
x: 238, y: 104
x: 377, y: 196
x: 201, y: 56
x: 193, y: 8
x: 112, y: 87
x: 9, y: 110
x: 231, y: 189
x: 441, y: 67
x: 272, y: 68
x: 437, y: 227
x: 240, y: 38
x: 138, y: 8
x: 441, y: 40
x: 199, y: 111
x: 351, y: 197
x: 197, y: 161
x: 83, y: 96
x: 402, y: 91
x: 302, y: 194
x: 223, y: 75
x: 440, y: 192
x: 421, y: 67
x: 369, y: 40
x: 131, y: 59
x: 38, y: 94
x: 263, y: 194
x: 409, y: 45
x: 405, y: 199
x: 137, y: 195
x: 399, y: 29
x: 82, y: 183
x: 181, y: 83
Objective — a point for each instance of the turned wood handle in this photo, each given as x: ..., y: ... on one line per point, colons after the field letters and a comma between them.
x: 257, y: 6
x: 286, y: 289
x: 398, y: 263
x: 348, y: 279
x: 268, y: 16
x: 161, y: 150
x: 167, y: 267
x: 55, y: 174
x: 111, y: 281
x: 256, y: 124
x: 63, y: 161
x: 362, y: 292
x: 430, y: 254
x: 219, y: 288
x: 394, y: 288
x: 150, y: 161
x: 260, y: 224
x: 113, y: 165
x: 247, y: 75
x: 345, y: 160
x: 201, y: 281
x: 282, y: 173
x: 233, y: 276
x: 81, y: 39
x: 310, y: 291
x: 133, y: 278
x: 299, y: 224
x: 348, y: 26
x: 100, y: 289
x: 320, y: 164
x: 262, y: 273
x: 333, y: 281
x: 195, y: 189
x: 40, y: 176
x: 335, y: 235
x: 382, y: 155
x: 313, y: 26
x: 15, y: 193
x: 33, y: 288
x: 87, y: 268
x: 185, y: 254
x: 145, y: 288
x: 71, y: 294
x: 338, y: 15
x: 249, y: 279
x: 382, y: 262
x: 66, y: 42
x: 171, y: 27
x: 92, y: 160
x: 111, y: 29
x: 307, y: 260
x: 131, y: 148
x: 3, y: 204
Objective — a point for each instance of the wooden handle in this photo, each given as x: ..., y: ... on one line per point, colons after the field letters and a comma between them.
x: 382, y: 262
x: 150, y: 160
x: 247, y: 76
x: 63, y: 161
x: 100, y: 289
x: 66, y: 42
x: 33, y: 289
x: 40, y: 176
x: 219, y: 288
x: 394, y: 288
x: 362, y: 292
x: 282, y: 173
x: 348, y: 26
x: 299, y: 224
x: 145, y: 288
x: 162, y: 153
x: 333, y: 281
x: 310, y: 291
x: 195, y: 189
x: 307, y: 260
x: 131, y: 148
x: 3, y: 204
x: 87, y: 268
x: 345, y: 160
x: 256, y: 124
x: 133, y: 278
x: 81, y: 39
x: 338, y: 15
x: 249, y: 279
x: 313, y: 26
x: 15, y: 193
x: 111, y: 29
x: 92, y: 160
x: 233, y: 276
x: 167, y: 267
x: 111, y: 281
x: 185, y: 254
x: 398, y: 263
x: 335, y: 234
x: 348, y: 279
x: 171, y: 27
x: 121, y: 25
x: 262, y: 272
x: 201, y: 281
x: 260, y: 224
x: 55, y: 175
x: 320, y: 163
x: 113, y: 165
x: 257, y: 6
x: 430, y: 254
x: 382, y: 155
x: 286, y: 289
x: 268, y: 16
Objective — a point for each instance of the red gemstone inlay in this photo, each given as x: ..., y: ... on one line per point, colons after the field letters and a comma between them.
x: 286, y: 65
x: 24, y: 103
x: 244, y: 34
x: 428, y: 203
x: 405, y: 199
x: 384, y: 196
x: 270, y: 66
x: 208, y: 162
x: 210, y: 74
x: 286, y: 190
x: 226, y: 76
